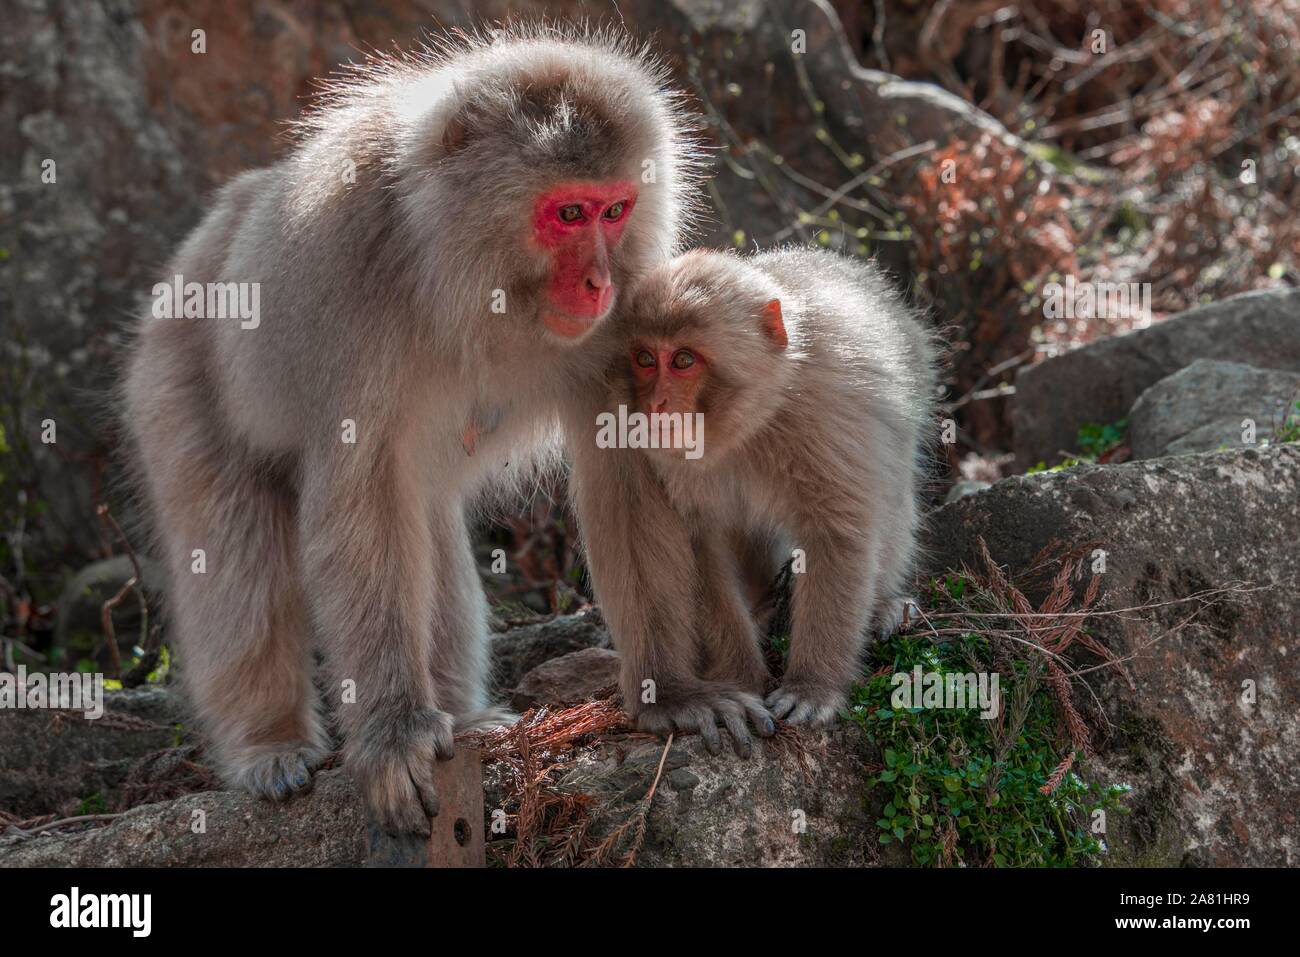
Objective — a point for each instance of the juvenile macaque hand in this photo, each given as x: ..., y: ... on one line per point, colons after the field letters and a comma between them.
x: 702, y: 708
x: 393, y: 764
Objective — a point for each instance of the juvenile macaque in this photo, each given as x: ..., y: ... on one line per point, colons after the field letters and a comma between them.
x: 431, y: 257
x: 815, y: 386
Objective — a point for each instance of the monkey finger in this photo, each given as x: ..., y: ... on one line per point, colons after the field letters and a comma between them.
x: 712, y: 737
x: 398, y: 802
x: 752, y: 707
x: 443, y: 736
x: 739, y: 731
x: 299, y: 776
x: 803, y: 712
x: 781, y: 703
x: 759, y: 718
x: 428, y: 798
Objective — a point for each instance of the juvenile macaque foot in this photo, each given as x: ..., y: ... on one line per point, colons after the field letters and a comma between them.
x: 797, y: 703
x: 704, y: 710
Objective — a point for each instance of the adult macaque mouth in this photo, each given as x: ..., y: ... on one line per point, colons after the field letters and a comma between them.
x: 570, y: 327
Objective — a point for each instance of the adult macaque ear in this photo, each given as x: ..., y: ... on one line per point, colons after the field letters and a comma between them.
x: 774, y: 324
x: 458, y: 128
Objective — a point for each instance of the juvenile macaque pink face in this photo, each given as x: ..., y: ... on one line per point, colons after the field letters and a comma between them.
x: 668, y: 377
x: 579, y: 225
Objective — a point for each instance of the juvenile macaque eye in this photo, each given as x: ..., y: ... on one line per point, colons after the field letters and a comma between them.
x: 615, y: 211
x: 645, y: 359
x: 683, y: 359
x: 571, y: 214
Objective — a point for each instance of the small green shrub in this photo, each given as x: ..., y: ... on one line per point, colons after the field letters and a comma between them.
x: 1008, y: 790
x: 945, y: 776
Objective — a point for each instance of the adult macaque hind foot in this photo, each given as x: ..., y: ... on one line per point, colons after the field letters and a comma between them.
x: 799, y: 703
x: 703, y: 709
x: 394, y: 765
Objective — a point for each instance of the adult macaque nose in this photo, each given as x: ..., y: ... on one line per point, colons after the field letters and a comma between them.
x: 596, y: 280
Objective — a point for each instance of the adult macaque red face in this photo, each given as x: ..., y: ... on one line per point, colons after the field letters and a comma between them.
x: 579, y: 225
x: 668, y: 377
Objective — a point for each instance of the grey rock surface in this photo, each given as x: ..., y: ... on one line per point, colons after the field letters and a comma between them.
x: 519, y: 650
x: 568, y: 680
x: 964, y: 488
x: 722, y: 811
x: 1209, y: 738
x: 1100, y: 381
x: 324, y: 828
x: 1202, y: 408
x: 49, y: 760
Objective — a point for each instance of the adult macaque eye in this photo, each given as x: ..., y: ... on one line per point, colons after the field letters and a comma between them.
x: 683, y: 359
x: 571, y: 213
x: 615, y: 211
x: 645, y: 359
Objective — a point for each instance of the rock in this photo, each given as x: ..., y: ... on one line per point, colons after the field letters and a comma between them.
x: 50, y: 760
x: 78, y: 627
x: 774, y: 809
x: 725, y: 811
x: 1210, y: 737
x: 1201, y: 408
x: 1100, y: 381
x: 964, y: 488
x: 519, y: 650
x: 324, y: 828
x: 567, y: 680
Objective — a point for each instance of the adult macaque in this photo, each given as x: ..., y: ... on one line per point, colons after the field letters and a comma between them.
x: 815, y: 386
x: 431, y: 257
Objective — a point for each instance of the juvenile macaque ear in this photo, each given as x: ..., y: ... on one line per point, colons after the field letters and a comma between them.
x: 455, y: 134
x: 773, y: 324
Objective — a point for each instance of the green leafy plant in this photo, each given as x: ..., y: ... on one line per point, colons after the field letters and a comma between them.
x: 1289, y: 430
x: 1095, y: 440
x: 1094, y: 443
x: 1042, y: 468
x: 1009, y: 790
x: 93, y: 804
x: 952, y: 796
